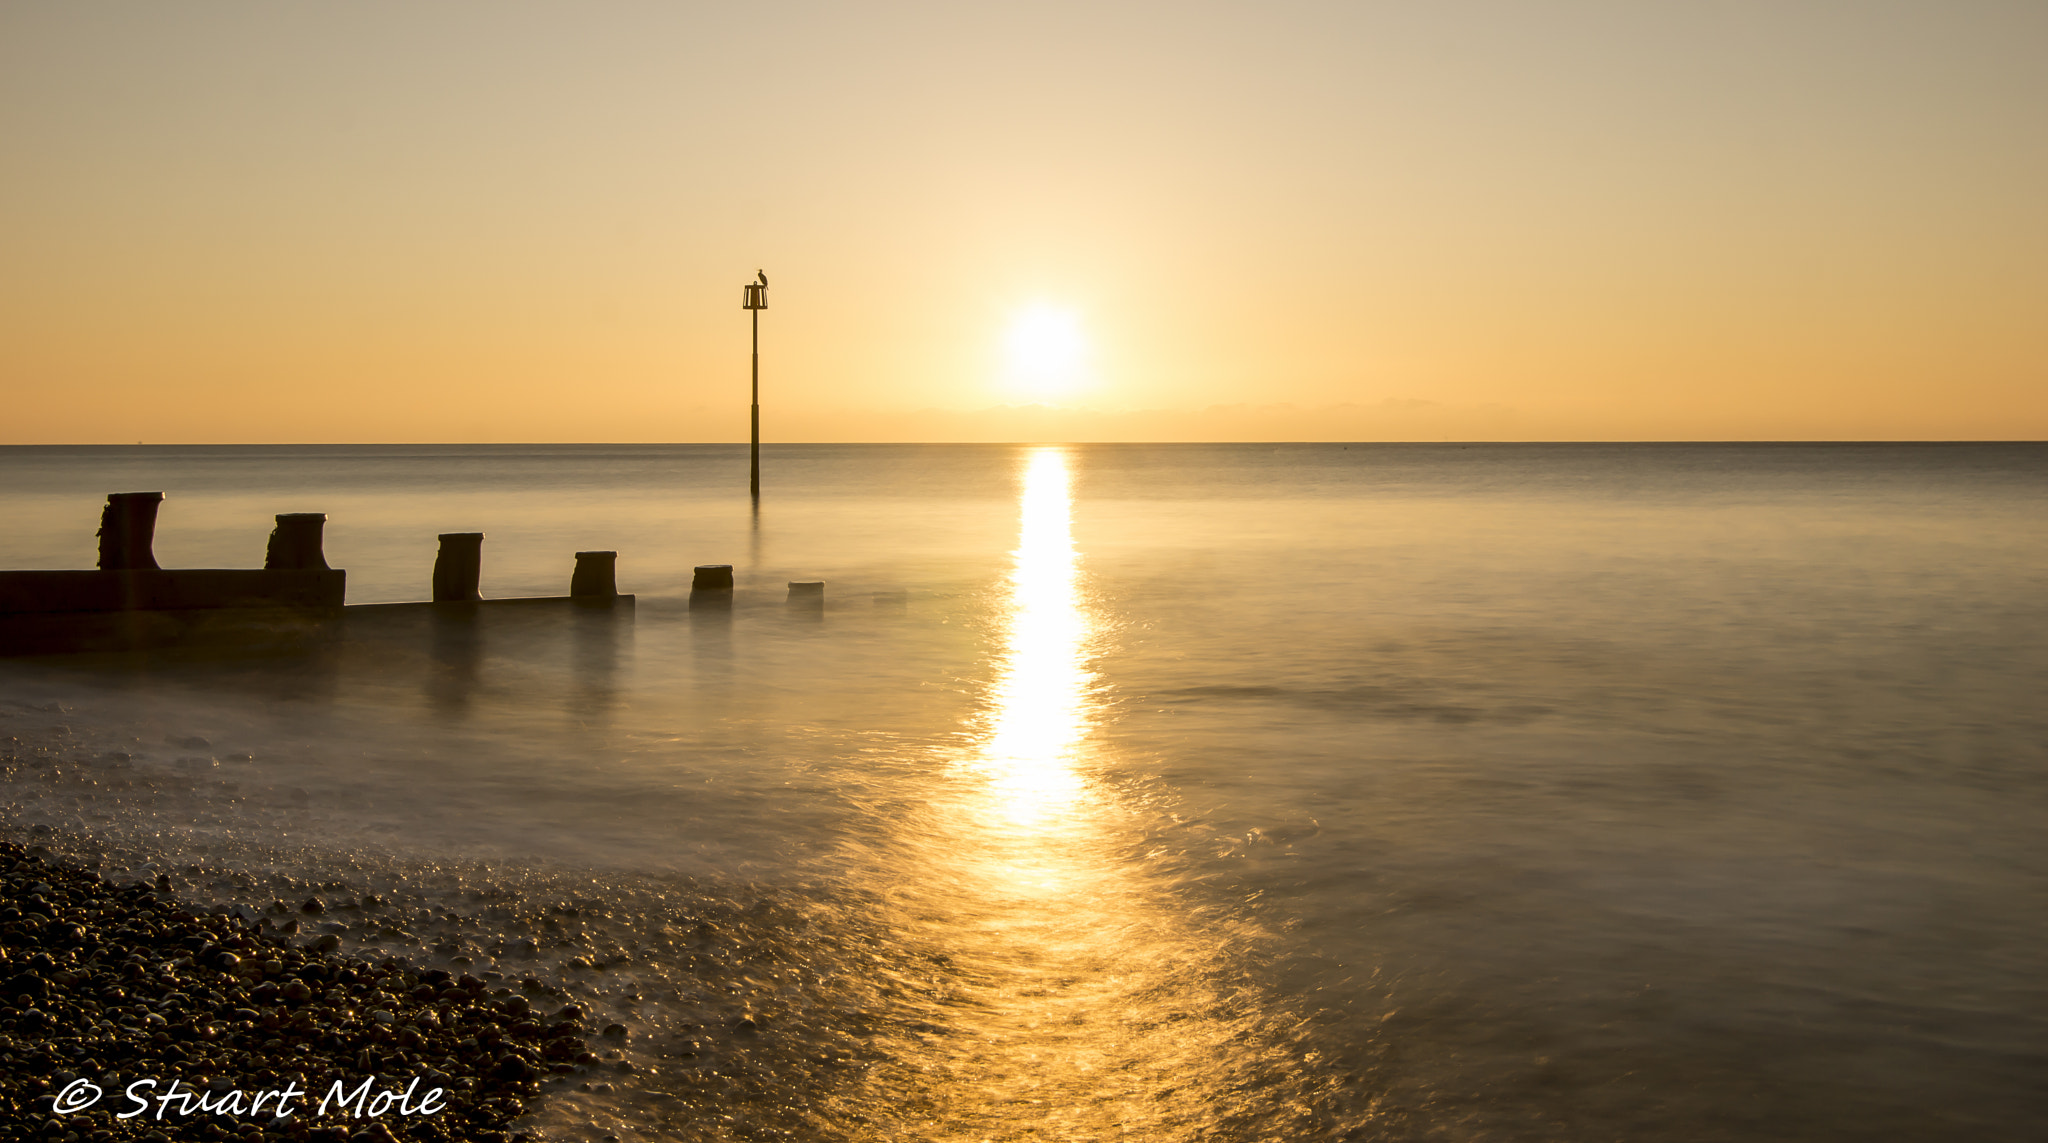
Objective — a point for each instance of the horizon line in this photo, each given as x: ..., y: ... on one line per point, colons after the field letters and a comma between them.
x: 1023, y: 443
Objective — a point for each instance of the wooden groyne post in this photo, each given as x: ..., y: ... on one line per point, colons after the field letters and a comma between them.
x: 596, y: 576
x: 711, y: 587
x: 807, y: 593
x: 128, y: 531
x: 459, y: 567
x: 297, y: 543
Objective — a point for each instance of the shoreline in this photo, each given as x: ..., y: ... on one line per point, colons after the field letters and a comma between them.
x: 701, y: 1004
x: 351, y: 924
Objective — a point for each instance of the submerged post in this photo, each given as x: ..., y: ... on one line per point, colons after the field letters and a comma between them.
x: 756, y: 301
x: 459, y: 567
x: 296, y: 542
x: 596, y: 575
x: 128, y: 531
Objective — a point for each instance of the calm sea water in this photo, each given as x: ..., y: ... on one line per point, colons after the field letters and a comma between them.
x: 1233, y: 792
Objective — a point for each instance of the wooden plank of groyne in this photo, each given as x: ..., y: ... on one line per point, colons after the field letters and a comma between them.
x: 144, y: 589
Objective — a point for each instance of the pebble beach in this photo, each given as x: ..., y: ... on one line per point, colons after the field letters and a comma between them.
x: 123, y: 990
x: 142, y: 942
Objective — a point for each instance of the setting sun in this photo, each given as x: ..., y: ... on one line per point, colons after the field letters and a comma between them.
x: 1045, y: 352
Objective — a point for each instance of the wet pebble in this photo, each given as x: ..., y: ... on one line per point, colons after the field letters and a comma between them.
x: 133, y: 985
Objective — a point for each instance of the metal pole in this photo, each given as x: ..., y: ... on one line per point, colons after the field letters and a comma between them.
x: 754, y: 479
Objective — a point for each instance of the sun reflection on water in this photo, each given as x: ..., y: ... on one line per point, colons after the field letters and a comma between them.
x: 1041, y: 695
x: 1041, y: 912
x: 1082, y: 998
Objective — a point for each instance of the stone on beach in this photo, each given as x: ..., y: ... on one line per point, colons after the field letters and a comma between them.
x: 127, y: 982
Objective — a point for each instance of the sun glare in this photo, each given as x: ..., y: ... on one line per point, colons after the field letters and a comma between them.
x: 1046, y: 352
x: 1042, y: 694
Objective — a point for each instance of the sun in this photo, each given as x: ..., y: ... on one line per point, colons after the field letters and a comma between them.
x: 1045, y: 352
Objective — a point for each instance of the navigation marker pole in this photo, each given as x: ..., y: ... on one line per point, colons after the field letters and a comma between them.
x: 756, y: 301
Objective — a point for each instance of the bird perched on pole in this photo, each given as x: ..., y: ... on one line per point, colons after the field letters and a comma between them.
x: 763, y: 277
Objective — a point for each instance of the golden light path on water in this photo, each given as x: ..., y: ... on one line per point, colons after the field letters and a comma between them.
x: 1040, y: 696
x: 1091, y: 1007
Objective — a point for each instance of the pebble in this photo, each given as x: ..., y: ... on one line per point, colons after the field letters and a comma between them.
x: 132, y: 984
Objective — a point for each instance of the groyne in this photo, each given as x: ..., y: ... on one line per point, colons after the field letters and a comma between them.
x: 130, y: 603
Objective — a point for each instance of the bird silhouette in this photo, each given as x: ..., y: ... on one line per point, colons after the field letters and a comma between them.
x: 763, y: 277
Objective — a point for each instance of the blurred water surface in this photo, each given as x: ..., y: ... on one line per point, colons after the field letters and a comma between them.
x: 1199, y: 791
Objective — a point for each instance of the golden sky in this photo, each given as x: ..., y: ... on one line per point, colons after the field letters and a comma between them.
x: 509, y: 221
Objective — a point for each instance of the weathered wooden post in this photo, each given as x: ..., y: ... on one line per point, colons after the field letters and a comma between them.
x: 459, y: 567
x: 711, y: 586
x: 296, y: 543
x: 128, y: 531
x: 807, y: 593
x: 596, y: 576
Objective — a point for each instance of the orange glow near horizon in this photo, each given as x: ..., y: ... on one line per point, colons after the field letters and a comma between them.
x: 470, y: 223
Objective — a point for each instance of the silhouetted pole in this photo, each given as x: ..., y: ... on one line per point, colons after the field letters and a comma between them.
x: 756, y: 301
x: 754, y: 448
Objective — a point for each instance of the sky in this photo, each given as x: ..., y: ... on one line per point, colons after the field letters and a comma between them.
x: 1466, y: 220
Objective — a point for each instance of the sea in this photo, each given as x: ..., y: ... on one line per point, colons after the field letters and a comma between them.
x: 1170, y: 792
